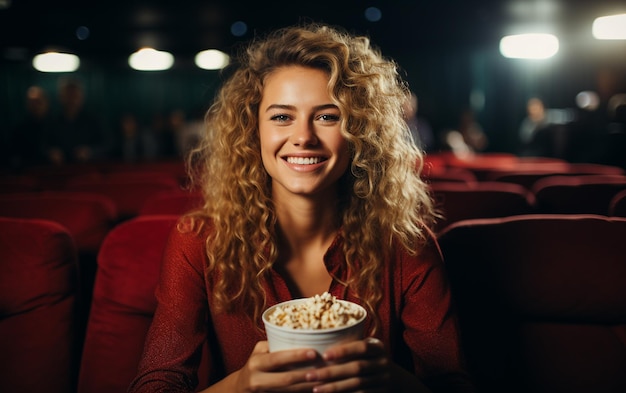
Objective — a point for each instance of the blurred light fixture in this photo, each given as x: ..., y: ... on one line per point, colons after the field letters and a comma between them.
x: 373, y: 14
x: 239, y: 28
x: 82, y: 32
x: 611, y: 27
x: 588, y: 100
x: 212, y: 59
x: 150, y: 59
x: 56, y: 62
x: 529, y: 46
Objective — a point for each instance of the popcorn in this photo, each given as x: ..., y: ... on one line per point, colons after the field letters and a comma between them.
x: 317, y: 312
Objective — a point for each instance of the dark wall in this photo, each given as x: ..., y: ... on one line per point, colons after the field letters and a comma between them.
x: 445, y: 81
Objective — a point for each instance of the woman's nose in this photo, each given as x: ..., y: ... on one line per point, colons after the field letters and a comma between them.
x: 304, y: 134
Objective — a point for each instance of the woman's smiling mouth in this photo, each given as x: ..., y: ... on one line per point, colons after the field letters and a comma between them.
x: 305, y: 160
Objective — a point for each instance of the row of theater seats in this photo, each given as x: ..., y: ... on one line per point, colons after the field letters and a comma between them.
x: 89, y: 217
x: 128, y: 254
x: 541, y: 302
x: 584, y: 194
x: 501, y: 184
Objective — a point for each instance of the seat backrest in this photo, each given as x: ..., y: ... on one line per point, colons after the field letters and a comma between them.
x: 541, y: 301
x: 10, y: 183
x: 584, y: 194
x: 128, y: 191
x: 480, y: 200
x: 617, y: 206
x: 123, y: 303
x: 527, y: 173
x: 481, y: 164
x: 175, y: 202
x: 87, y: 216
x: 589, y: 168
x: 38, y: 289
x: 524, y: 178
x: 450, y: 175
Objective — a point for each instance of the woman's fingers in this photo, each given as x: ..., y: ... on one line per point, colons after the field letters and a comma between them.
x: 367, y: 348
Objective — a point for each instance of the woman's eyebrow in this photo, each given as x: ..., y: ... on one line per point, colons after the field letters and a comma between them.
x: 280, y: 106
x: 292, y: 107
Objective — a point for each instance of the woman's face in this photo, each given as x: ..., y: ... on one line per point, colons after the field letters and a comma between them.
x: 302, y: 148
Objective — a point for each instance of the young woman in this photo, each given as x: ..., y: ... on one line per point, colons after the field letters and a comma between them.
x: 310, y: 183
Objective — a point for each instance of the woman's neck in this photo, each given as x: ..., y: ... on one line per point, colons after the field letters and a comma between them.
x: 305, y: 222
x: 306, y: 229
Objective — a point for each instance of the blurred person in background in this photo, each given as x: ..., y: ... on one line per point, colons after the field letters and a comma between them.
x: 536, y: 119
x: 545, y: 132
x: 75, y: 135
x: 467, y: 139
x: 421, y: 130
x: 133, y: 142
x: 472, y: 132
x: 25, y: 146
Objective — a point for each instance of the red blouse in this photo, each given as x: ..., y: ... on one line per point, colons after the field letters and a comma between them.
x: 417, y: 325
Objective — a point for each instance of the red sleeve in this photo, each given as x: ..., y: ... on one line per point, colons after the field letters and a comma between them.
x: 174, y: 342
x: 431, y: 330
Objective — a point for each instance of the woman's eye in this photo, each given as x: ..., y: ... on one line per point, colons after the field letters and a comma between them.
x: 280, y: 118
x: 328, y: 117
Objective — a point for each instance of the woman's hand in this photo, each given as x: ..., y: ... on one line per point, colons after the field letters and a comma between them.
x: 357, y: 366
x: 282, y: 371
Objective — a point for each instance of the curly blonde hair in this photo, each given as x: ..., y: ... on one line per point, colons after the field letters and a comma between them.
x: 384, y: 201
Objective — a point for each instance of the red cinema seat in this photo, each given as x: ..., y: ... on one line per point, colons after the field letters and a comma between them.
x: 483, y: 163
x: 123, y: 303
x: 586, y: 194
x: 175, y: 202
x: 617, y: 206
x: 87, y: 216
x: 10, y: 183
x: 458, y: 201
x: 38, y: 290
x: 528, y: 173
x: 129, y: 191
x: 541, y: 301
x: 457, y: 175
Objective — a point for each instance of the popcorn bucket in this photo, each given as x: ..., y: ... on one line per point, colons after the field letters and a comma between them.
x: 318, y: 338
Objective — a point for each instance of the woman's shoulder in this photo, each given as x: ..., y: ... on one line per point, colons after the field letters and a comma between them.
x: 426, y: 252
x: 191, y: 231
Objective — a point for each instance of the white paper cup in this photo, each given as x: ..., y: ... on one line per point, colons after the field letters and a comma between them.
x: 280, y: 337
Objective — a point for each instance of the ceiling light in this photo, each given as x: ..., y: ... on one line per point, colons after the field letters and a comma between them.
x: 529, y: 46
x: 149, y: 59
x: 56, y: 62
x: 212, y: 59
x: 612, y: 27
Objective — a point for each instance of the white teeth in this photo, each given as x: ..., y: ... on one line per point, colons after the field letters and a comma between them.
x: 303, y: 160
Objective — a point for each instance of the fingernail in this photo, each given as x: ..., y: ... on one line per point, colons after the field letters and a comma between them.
x: 311, y: 354
x: 311, y: 376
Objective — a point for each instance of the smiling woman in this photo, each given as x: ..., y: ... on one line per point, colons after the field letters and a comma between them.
x: 308, y: 175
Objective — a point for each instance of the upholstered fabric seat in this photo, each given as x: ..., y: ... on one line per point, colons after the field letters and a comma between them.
x: 175, y: 202
x: 585, y: 194
x: 541, y: 301
x: 129, y: 191
x: 458, y: 201
x: 617, y: 205
x: 87, y: 216
x: 38, y: 290
x: 123, y: 303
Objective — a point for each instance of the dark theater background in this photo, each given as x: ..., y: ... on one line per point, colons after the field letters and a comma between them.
x: 448, y: 51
